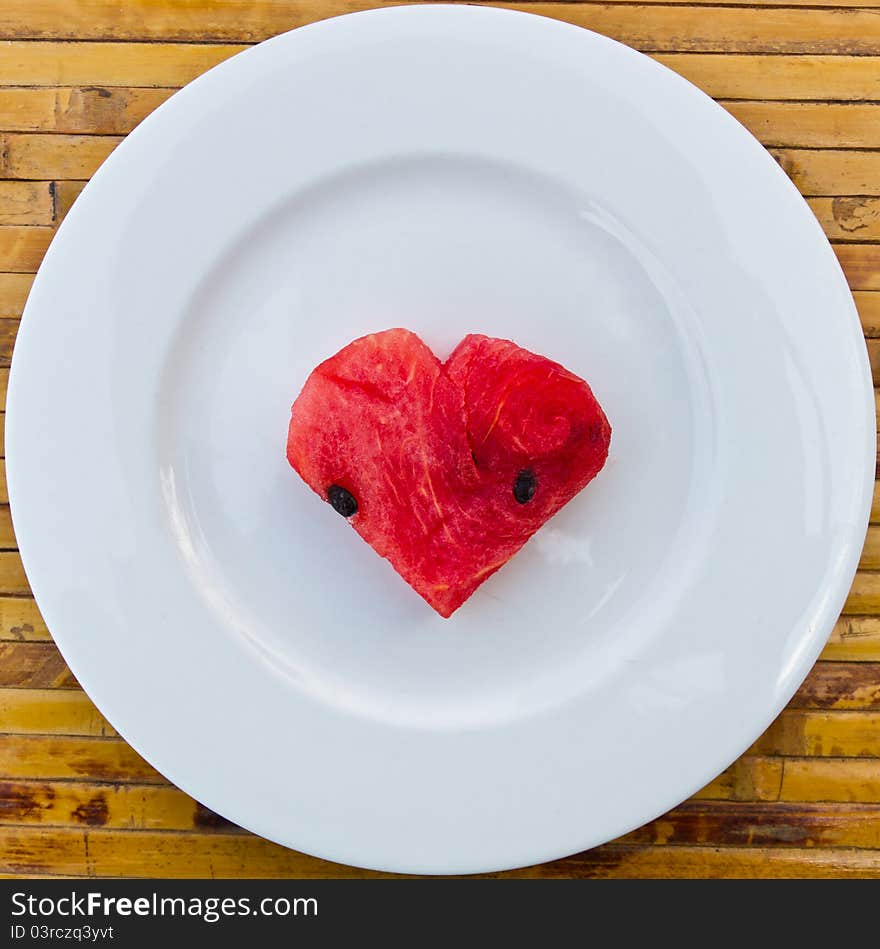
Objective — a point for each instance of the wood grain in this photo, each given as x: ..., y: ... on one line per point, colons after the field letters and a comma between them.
x: 14, y: 289
x: 868, y: 305
x: 809, y: 124
x: 840, y: 685
x: 829, y: 779
x: 34, y: 665
x: 8, y: 332
x: 831, y: 171
x: 12, y: 576
x: 7, y: 534
x: 50, y: 712
x: 765, y: 778
x: 873, y: 346
x: 852, y: 219
x: 764, y: 824
x: 97, y: 852
x: 82, y: 109
x: 34, y: 63
x: 652, y: 27
x: 864, y: 596
x: 22, y: 248
x: 861, y: 264
x: 26, y: 155
x: 26, y: 202
x: 132, y: 807
x: 819, y: 733
x: 749, y: 778
x: 744, y: 76
x: 854, y: 639
x: 65, y: 757
x: 871, y: 551
x: 20, y: 620
x: 66, y: 192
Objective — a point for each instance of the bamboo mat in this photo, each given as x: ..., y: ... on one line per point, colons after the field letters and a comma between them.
x: 78, y: 75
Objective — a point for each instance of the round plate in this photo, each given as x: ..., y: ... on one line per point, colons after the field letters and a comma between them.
x: 450, y: 170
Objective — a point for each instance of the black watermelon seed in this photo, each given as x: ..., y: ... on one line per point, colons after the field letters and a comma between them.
x: 342, y: 501
x: 524, y: 486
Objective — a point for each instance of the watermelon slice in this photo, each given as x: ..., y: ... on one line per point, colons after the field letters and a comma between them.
x: 445, y: 469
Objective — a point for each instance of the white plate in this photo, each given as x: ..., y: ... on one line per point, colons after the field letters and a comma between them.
x: 451, y: 170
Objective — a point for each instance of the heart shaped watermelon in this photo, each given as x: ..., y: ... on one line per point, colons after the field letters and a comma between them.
x: 445, y: 469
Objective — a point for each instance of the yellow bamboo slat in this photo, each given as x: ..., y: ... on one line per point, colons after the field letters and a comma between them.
x: 758, y: 778
x: 809, y: 124
x: 744, y: 76
x: 22, y: 248
x: 66, y: 192
x: 873, y: 347
x: 749, y: 778
x: 31, y: 63
x: 78, y: 110
x: 33, y: 665
x: 861, y: 264
x: 34, y: 155
x: 875, y: 504
x: 65, y: 757
x: 645, y: 26
x: 848, y: 219
x: 51, y: 712
x: 829, y: 779
x: 8, y: 332
x: 854, y: 639
x: 623, y: 861
x: 868, y: 304
x: 831, y: 171
x: 14, y: 288
x: 829, y: 685
x: 12, y: 576
x: 763, y: 824
x: 864, y: 596
x: 817, y: 733
x: 26, y: 202
x: 20, y: 620
x: 4, y: 385
x: 871, y: 550
x: 79, y: 804
x: 99, y: 852
x: 7, y: 534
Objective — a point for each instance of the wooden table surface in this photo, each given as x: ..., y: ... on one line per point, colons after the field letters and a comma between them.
x: 77, y: 75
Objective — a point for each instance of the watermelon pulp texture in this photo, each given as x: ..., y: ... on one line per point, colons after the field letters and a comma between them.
x: 451, y: 466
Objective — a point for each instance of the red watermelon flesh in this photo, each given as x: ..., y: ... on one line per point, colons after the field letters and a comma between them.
x: 445, y: 469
